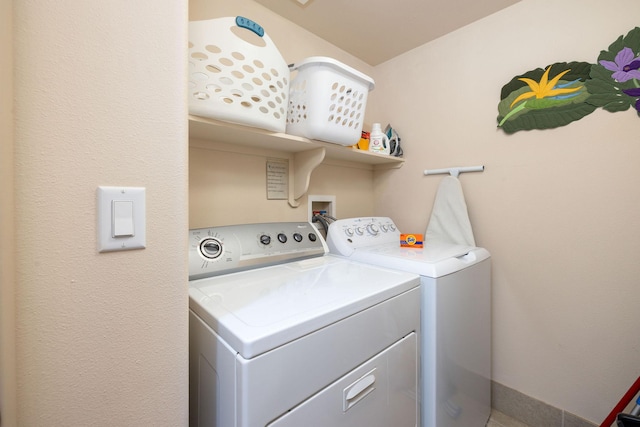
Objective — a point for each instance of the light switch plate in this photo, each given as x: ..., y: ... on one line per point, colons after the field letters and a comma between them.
x: 116, y: 231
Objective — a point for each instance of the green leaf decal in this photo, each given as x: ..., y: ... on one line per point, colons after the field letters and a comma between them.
x: 545, y: 112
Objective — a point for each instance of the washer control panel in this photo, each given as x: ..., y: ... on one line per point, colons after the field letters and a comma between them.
x: 221, y: 250
x: 347, y: 235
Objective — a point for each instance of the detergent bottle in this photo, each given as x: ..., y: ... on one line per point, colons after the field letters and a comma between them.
x: 378, y: 140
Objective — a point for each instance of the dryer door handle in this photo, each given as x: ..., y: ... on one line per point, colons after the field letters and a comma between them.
x: 359, y: 390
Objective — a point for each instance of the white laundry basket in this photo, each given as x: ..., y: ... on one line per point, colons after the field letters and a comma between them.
x: 236, y: 74
x: 327, y: 101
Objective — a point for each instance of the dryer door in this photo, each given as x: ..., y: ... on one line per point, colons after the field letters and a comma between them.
x: 379, y: 393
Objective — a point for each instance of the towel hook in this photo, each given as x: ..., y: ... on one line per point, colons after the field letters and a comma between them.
x: 455, y: 171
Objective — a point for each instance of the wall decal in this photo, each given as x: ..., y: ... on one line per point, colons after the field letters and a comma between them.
x: 615, y: 83
x: 567, y: 91
x: 543, y: 99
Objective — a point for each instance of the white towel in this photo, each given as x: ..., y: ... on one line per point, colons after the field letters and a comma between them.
x: 449, y: 222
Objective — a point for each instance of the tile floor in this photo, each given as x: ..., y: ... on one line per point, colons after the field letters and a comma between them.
x: 498, y: 419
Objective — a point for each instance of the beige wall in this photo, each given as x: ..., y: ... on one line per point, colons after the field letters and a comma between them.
x: 243, y: 197
x: 99, y: 100
x: 7, y: 260
x: 230, y: 188
x: 558, y: 209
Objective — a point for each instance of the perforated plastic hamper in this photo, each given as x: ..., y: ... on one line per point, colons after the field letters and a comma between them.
x: 327, y: 101
x: 236, y: 74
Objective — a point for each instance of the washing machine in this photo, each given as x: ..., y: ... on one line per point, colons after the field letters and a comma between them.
x: 455, y: 342
x: 284, y: 334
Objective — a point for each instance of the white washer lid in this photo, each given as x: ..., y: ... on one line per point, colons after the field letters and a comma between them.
x: 257, y: 310
x: 430, y: 261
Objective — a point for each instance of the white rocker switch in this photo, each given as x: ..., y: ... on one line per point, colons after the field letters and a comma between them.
x: 121, y: 218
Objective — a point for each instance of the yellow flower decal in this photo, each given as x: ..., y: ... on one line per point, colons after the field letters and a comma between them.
x: 545, y: 88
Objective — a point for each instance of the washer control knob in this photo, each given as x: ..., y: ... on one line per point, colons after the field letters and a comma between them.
x: 373, y: 229
x: 349, y: 231
x: 359, y: 231
x: 297, y: 237
x: 312, y: 237
x: 282, y: 238
x: 384, y: 228
x: 265, y: 239
x: 210, y: 248
x: 392, y: 227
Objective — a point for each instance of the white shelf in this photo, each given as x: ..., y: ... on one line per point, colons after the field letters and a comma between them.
x: 214, y: 130
x: 307, y: 154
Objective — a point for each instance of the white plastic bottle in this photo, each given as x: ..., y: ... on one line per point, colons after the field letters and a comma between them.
x: 378, y: 141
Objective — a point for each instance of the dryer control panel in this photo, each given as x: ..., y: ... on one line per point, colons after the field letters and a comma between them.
x: 346, y: 235
x: 226, y: 249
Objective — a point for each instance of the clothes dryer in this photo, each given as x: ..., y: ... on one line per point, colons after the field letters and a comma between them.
x: 283, y: 334
x: 456, y: 315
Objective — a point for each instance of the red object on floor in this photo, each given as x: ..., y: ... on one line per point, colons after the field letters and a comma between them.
x: 633, y: 390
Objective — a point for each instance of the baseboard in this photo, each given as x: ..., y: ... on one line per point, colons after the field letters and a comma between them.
x: 530, y: 411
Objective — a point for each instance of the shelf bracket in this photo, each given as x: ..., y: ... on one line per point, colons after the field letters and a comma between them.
x: 300, y: 168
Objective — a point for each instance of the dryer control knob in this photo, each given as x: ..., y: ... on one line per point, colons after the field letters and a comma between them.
x: 210, y: 248
x: 265, y: 239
